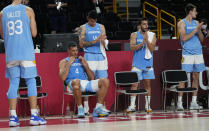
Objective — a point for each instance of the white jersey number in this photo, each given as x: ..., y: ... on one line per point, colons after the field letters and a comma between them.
x: 77, y: 71
x: 15, y: 27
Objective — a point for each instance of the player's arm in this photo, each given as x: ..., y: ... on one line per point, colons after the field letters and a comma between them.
x: 182, y: 32
x: 64, y: 67
x: 200, y: 35
x: 103, y: 35
x: 1, y: 27
x: 82, y: 41
x: 89, y: 72
x: 151, y: 45
x: 51, y: 5
x: 64, y: 4
x: 133, y: 42
x: 31, y: 16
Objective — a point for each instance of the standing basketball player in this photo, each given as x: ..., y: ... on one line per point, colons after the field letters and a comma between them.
x: 92, y: 39
x: 192, y: 58
x: 17, y: 26
x: 141, y: 42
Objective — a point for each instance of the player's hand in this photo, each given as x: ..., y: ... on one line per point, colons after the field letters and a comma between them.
x: 84, y: 63
x: 104, y: 37
x: 145, y: 37
x: 199, y: 26
x: 72, y: 59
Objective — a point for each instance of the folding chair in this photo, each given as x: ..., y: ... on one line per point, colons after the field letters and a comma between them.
x: 202, y: 86
x: 126, y: 79
x: 40, y: 95
x: 173, y: 78
x: 65, y: 92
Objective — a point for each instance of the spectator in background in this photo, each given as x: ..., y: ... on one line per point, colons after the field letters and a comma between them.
x: 204, y: 28
x: 57, y: 11
x: 26, y: 2
x: 99, y: 7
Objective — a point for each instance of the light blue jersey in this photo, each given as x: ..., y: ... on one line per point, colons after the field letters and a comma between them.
x: 193, y: 45
x: 139, y: 60
x: 17, y: 34
x: 91, y: 34
x: 76, y: 71
x: 93, y: 54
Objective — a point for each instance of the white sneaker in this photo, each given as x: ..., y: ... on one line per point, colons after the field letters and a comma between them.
x: 180, y: 107
x: 86, y: 110
x: 148, y: 108
x: 194, y: 106
x: 131, y: 109
x: 105, y: 109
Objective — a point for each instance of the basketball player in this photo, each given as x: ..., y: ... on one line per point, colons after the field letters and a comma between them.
x: 92, y: 39
x: 192, y: 58
x: 141, y: 42
x: 79, y: 77
x: 18, y: 25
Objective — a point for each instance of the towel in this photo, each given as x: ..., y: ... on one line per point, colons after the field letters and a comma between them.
x: 102, y: 48
x: 148, y: 54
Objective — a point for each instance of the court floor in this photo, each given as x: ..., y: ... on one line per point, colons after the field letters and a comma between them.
x: 157, y: 121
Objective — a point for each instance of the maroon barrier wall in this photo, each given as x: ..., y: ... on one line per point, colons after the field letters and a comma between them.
x: 47, y: 65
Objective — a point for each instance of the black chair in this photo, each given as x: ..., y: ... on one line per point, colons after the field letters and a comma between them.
x: 171, y: 80
x: 126, y: 79
x: 40, y: 95
x: 65, y: 92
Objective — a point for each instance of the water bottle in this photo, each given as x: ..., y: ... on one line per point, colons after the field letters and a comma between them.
x: 68, y: 110
x: 172, y: 104
x: 37, y: 50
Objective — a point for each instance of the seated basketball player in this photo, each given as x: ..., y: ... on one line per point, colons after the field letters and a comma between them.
x: 75, y: 72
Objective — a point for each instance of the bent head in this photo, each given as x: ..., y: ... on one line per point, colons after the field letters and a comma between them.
x: 143, y: 25
x: 191, y: 10
x: 72, y: 50
x: 92, y: 18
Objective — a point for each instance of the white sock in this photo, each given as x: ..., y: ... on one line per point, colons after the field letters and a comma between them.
x: 13, y: 113
x: 179, y: 98
x: 133, y: 101
x: 81, y: 106
x: 194, y: 99
x: 147, y: 98
x: 98, y: 105
x: 86, y: 103
x: 34, y: 112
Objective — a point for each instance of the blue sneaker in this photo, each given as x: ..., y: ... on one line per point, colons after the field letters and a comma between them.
x: 13, y: 121
x: 81, y: 113
x: 99, y: 112
x: 36, y: 120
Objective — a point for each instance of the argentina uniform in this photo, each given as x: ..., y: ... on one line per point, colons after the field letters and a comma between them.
x: 19, y: 49
x: 192, y: 57
x: 77, y: 72
x: 93, y: 54
x: 143, y: 67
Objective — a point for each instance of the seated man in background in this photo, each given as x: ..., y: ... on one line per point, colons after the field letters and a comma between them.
x: 75, y: 72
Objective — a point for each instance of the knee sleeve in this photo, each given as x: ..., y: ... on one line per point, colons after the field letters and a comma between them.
x: 31, y: 84
x: 13, y: 87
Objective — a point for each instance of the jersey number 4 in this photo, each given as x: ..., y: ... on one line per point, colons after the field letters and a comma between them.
x: 15, y: 27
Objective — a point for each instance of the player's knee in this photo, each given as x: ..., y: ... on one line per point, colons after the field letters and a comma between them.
x: 104, y: 82
x: 13, y: 87
x: 31, y: 84
x: 75, y: 84
x: 134, y: 86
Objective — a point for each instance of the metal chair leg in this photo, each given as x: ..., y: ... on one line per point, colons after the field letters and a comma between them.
x: 187, y: 101
x: 164, y: 101
x: 43, y: 107
x: 63, y: 102
x: 47, y: 105
x: 115, y: 103
x: 138, y: 102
